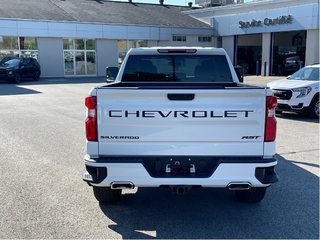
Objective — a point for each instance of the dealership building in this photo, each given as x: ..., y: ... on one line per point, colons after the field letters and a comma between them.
x: 271, y: 37
x: 81, y: 37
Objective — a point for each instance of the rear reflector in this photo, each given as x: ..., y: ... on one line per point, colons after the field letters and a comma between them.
x: 91, y: 121
x: 165, y: 50
x: 271, y: 122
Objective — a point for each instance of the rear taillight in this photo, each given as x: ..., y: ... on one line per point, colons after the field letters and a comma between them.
x: 91, y: 121
x: 271, y: 122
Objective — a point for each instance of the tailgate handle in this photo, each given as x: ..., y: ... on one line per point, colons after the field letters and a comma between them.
x: 180, y: 96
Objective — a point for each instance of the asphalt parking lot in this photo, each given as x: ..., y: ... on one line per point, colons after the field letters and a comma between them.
x: 42, y: 194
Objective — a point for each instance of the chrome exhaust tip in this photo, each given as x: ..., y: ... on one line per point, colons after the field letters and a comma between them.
x: 239, y: 186
x: 122, y: 185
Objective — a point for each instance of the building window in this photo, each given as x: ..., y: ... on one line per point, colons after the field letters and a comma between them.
x: 18, y: 46
x: 142, y: 43
x: 125, y: 45
x: 179, y: 38
x: 204, y: 39
x: 79, y: 57
x: 28, y: 47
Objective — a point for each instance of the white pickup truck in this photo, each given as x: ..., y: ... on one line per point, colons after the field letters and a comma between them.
x: 178, y: 118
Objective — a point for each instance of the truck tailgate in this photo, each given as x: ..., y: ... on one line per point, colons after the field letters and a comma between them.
x: 164, y: 122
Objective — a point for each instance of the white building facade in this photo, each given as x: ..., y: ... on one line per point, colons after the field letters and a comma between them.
x: 66, y: 49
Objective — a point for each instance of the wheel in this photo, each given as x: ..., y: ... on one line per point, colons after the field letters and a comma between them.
x: 106, y: 194
x: 278, y: 112
x: 252, y: 195
x: 314, y: 110
x: 36, y: 76
x: 17, y: 78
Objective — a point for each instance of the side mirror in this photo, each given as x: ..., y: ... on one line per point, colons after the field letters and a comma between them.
x: 111, y: 74
x: 239, y: 72
x: 288, y: 77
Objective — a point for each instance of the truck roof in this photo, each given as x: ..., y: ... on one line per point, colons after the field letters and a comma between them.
x: 173, y: 50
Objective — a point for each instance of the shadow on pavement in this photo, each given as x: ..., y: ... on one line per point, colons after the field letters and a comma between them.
x: 297, y: 117
x: 18, y: 89
x: 307, y: 164
x: 12, y: 89
x: 289, y: 210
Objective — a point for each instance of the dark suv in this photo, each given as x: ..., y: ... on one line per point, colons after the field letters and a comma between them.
x: 292, y: 64
x: 15, y: 68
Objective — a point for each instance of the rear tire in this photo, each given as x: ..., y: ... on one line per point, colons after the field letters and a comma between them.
x: 36, y: 76
x: 313, y: 110
x: 106, y: 194
x: 253, y: 195
x: 17, y: 78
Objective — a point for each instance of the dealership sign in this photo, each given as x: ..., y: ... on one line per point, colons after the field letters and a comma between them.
x: 267, y: 22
